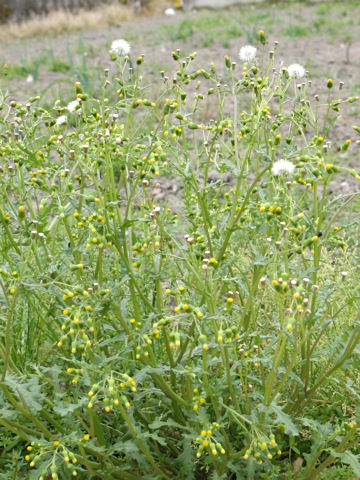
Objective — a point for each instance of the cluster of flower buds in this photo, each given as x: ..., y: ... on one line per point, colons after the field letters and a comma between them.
x: 37, y: 451
x: 208, y: 442
x: 198, y: 399
x: 262, y: 448
x: 112, y: 392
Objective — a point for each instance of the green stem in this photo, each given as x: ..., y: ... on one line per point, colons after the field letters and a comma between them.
x: 140, y: 444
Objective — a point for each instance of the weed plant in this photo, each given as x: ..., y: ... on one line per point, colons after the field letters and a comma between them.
x: 215, y: 336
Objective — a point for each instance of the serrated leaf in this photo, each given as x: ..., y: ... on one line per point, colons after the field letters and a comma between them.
x: 281, y: 417
x: 321, y: 432
x: 64, y: 408
x: 154, y: 436
x: 348, y: 458
x: 185, y: 461
x: 8, y: 414
x: 156, y: 424
x: 28, y: 392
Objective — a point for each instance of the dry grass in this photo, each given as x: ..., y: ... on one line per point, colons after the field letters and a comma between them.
x: 61, y: 21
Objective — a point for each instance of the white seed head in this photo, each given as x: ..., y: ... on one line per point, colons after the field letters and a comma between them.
x: 73, y: 106
x: 120, y: 47
x: 283, y: 167
x: 61, y: 120
x: 247, y: 53
x: 296, y: 71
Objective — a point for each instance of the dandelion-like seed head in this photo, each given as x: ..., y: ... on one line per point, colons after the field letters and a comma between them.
x: 247, y: 53
x: 283, y: 167
x: 73, y: 106
x: 61, y: 120
x: 120, y: 47
x: 296, y: 71
x: 170, y: 12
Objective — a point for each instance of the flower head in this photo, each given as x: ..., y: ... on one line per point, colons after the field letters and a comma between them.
x: 247, y: 53
x: 283, y: 167
x: 120, y: 47
x: 60, y: 120
x: 296, y: 71
x: 170, y: 11
x: 73, y: 106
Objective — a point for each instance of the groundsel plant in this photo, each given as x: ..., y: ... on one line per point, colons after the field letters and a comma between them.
x: 209, y: 335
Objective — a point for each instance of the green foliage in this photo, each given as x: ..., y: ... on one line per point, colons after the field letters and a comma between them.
x: 209, y: 28
x: 213, y: 334
x: 296, y: 31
